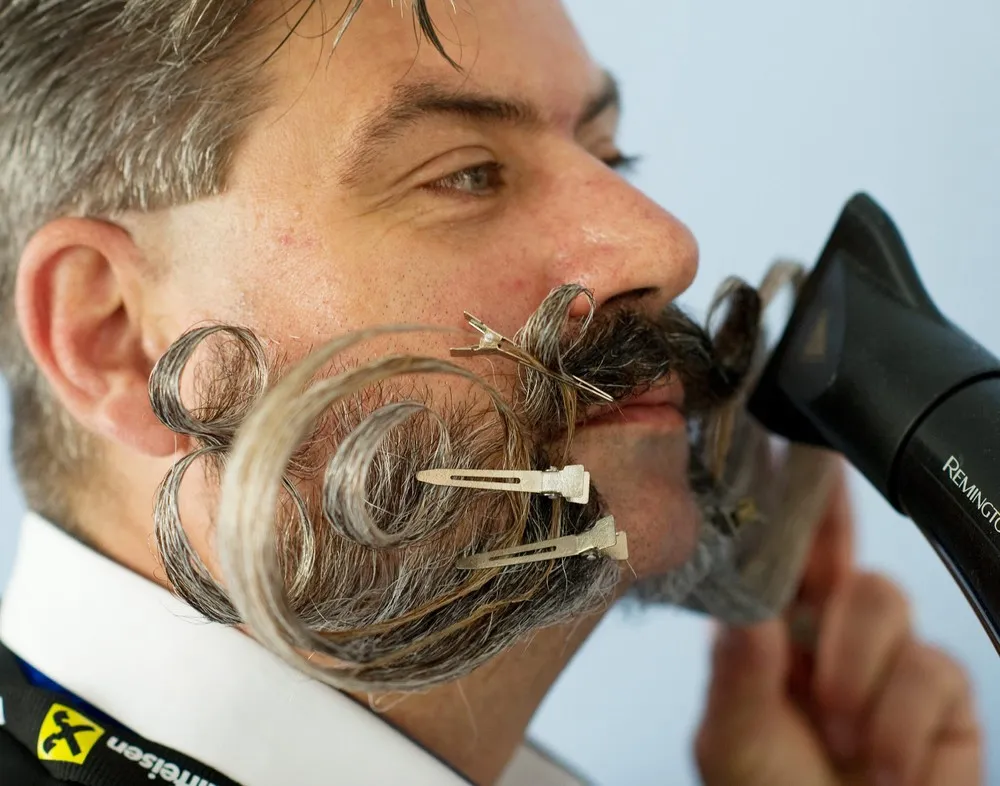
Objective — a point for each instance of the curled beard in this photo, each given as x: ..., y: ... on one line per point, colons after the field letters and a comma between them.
x: 335, y: 558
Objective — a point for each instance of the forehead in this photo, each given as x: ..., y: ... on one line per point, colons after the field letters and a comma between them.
x: 525, y: 49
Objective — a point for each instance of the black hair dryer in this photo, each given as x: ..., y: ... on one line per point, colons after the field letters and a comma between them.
x: 869, y: 367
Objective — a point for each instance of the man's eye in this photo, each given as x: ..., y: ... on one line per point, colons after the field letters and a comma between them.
x: 487, y: 178
x: 478, y: 180
x: 622, y: 162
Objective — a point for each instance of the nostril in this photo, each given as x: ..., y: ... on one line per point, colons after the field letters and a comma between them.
x: 631, y: 297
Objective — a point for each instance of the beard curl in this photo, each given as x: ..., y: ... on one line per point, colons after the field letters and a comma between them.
x: 332, y: 554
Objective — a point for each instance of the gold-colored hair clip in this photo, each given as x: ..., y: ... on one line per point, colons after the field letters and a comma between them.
x: 572, y: 482
x: 602, y: 538
x: 732, y: 519
x: 495, y: 343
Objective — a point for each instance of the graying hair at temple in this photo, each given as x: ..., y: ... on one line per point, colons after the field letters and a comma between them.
x: 353, y: 581
x: 111, y: 106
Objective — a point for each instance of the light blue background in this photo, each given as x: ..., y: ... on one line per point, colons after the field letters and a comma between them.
x: 757, y: 121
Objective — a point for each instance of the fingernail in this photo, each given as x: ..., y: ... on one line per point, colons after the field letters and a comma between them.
x: 840, y: 736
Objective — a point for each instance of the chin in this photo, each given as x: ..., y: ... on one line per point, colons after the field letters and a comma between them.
x: 639, y: 466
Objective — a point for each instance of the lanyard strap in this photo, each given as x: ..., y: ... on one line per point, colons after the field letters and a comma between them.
x: 73, y: 747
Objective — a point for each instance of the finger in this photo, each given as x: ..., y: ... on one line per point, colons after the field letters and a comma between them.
x: 958, y: 758
x: 923, y: 694
x: 749, y: 667
x: 956, y: 764
x: 865, y: 624
x: 747, y: 679
x: 832, y: 554
x: 829, y: 562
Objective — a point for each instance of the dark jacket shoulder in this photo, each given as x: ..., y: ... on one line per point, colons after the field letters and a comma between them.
x: 18, y: 767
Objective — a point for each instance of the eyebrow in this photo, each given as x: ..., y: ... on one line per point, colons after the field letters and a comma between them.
x: 413, y: 103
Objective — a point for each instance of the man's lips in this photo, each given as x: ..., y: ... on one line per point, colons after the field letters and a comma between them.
x: 664, y: 401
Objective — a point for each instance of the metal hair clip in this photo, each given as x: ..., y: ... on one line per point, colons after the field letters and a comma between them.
x: 571, y: 483
x: 602, y: 538
x: 732, y: 519
x: 492, y: 343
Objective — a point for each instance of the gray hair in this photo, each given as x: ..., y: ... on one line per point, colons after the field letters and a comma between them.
x: 111, y: 106
x: 347, y: 571
x: 361, y: 572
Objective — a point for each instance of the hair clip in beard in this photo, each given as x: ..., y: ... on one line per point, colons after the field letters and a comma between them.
x: 572, y: 483
x: 600, y: 539
x: 733, y: 518
x: 495, y: 343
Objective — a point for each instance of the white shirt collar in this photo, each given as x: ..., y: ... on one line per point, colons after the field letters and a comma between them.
x: 133, y: 650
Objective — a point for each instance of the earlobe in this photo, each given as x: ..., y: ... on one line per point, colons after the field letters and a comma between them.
x: 79, y: 307
x: 126, y: 417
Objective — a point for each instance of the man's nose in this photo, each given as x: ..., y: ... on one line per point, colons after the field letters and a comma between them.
x: 618, y: 243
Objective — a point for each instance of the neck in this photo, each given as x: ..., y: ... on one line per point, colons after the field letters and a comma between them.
x: 477, y: 723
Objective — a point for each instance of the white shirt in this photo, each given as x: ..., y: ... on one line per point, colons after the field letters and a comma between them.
x: 133, y: 650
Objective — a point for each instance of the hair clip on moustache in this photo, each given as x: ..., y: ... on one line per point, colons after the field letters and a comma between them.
x: 494, y: 343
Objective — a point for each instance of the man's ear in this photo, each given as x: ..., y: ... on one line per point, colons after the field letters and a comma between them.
x: 79, y: 306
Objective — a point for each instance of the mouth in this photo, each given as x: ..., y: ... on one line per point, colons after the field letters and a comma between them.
x: 662, y: 405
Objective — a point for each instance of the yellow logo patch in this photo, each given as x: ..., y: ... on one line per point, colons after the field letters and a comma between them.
x: 67, y: 736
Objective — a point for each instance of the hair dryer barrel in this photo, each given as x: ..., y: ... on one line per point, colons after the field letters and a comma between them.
x: 869, y: 367
x: 948, y: 482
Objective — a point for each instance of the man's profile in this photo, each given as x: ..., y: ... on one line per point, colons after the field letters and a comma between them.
x: 349, y: 392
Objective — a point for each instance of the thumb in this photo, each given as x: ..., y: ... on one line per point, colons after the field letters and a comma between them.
x: 750, y: 668
x: 749, y: 673
x: 752, y: 734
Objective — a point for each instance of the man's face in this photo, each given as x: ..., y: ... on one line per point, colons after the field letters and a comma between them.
x: 383, y: 186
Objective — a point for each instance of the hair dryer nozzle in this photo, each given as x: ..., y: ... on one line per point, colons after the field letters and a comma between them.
x: 866, y: 354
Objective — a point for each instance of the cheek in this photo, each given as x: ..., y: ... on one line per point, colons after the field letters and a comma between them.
x: 302, y: 282
x: 284, y: 280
